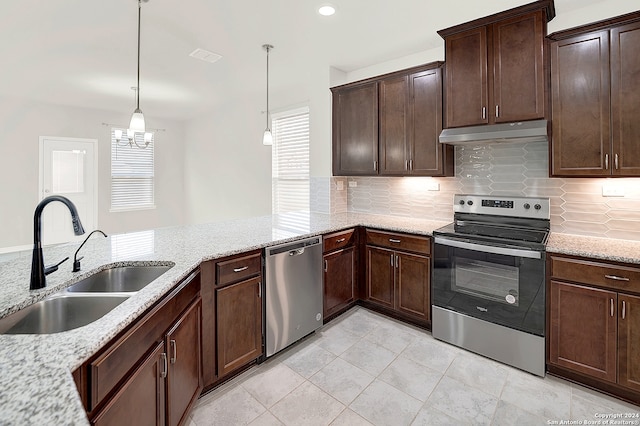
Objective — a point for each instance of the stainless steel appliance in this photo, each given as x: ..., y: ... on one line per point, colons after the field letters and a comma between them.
x: 293, y: 290
x: 489, y: 279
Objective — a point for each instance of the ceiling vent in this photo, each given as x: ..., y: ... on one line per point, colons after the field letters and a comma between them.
x: 205, y: 55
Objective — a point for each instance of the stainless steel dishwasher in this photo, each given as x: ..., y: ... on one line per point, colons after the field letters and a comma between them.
x: 293, y: 290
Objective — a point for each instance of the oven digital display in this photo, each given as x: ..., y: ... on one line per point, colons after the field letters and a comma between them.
x: 498, y: 203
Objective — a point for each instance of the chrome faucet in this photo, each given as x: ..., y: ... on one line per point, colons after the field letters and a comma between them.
x: 76, y: 259
x: 38, y: 271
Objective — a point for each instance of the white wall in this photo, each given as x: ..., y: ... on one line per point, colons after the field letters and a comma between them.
x: 228, y: 170
x: 21, y: 125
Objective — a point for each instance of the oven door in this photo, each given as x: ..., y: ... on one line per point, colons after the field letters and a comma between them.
x: 501, y: 285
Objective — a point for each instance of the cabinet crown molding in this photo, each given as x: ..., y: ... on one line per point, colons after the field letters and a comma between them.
x: 547, y: 5
x: 605, y: 24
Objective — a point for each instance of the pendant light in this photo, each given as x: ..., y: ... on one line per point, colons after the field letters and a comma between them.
x: 267, y: 138
x: 137, y: 118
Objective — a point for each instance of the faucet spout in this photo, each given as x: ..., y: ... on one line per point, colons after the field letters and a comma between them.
x: 38, y: 271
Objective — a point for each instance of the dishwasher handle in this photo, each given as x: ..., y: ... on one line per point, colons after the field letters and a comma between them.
x: 293, y: 249
x: 297, y: 252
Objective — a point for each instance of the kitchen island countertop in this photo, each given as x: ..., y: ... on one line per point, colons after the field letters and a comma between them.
x: 36, y: 386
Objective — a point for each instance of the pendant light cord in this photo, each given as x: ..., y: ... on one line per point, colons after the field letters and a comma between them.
x: 138, y: 84
x: 268, y: 127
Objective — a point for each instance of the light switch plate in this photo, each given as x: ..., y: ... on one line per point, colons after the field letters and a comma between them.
x: 433, y: 186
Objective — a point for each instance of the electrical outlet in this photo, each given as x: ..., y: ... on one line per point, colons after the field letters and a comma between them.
x: 433, y: 186
x: 612, y: 190
x: 340, y: 185
x: 353, y: 184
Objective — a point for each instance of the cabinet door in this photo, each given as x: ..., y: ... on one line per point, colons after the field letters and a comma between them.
x: 380, y: 276
x: 339, y: 280
x: 625, y: 99
x: 184, y: 381
x: 239, y: 324
x: 394, y: 102
x: 355, y: 130
x: 141, y: 400
x: 580, y: 107
x: 427, y: 155
x: 583, y: 331
x: 629, y: 341
x: 466, y: 78
x: 412, y: 285
x: 518, y: 68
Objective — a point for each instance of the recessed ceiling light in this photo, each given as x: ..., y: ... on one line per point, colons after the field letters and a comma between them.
x: 326, y: 10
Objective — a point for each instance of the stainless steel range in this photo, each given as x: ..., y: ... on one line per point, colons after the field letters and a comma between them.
x: 489, y: 279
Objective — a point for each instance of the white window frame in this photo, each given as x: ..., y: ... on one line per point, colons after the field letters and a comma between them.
x: 144, y: 171
x: 304, y: 176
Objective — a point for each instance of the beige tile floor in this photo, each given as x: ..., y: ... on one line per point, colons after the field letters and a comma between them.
x: 366, y: 369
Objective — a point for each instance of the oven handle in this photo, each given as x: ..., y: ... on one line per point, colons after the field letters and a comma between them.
x: 488, y: 249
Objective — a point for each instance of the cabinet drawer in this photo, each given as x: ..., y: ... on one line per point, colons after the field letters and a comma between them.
x: 398, y: 241
x: 596, y: 273
x: 116, y: 360
x: 238, y: 268
x: 338, y: 240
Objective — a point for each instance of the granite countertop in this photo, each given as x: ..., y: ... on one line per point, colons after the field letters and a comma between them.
x: 624, y: 251
x: 36, y: 386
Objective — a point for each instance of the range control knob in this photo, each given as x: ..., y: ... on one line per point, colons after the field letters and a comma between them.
x: 537, y: 207
x: 470, y: 202
x: 461, y: 202
x: 527, y: 206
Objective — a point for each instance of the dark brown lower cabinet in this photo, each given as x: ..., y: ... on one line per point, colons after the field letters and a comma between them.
x: 184, y: 377
x: 166, y: 384
x: 141, y: 400
x: 629, y: 341
x: 583, y: 329
x: 239, y: 324
x: 339, y: 280
x: 380, y: 276
x: 399, y: 281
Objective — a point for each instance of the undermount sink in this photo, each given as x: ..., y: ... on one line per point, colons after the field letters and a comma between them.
x: 119, y: 279
x: 60, y: 312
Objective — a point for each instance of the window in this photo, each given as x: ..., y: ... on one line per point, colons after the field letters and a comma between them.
x: 290, y: 161
x: 131, y: 173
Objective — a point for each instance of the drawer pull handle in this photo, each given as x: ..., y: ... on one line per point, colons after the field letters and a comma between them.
x: 174, y: 351
x: 611, y: 307
x: 244, y: 268
x: 624, y: 309
x: 341, y: 240
x: 616, y: 278
x: 392, y: 265
x: 391, y: 240
x: 326, y: 267
x: 165, y: 367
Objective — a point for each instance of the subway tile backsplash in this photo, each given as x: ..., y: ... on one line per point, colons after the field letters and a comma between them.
x: 577, y: 204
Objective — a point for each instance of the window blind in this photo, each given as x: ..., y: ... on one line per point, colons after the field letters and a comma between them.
x: 132, y: 173
x: 290, y: 161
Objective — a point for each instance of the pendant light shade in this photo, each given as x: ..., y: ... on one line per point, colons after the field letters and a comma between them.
x: 267, y: 137
x: 137, y: 118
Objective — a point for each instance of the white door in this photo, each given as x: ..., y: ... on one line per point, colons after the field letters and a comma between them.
x: 68, y: 167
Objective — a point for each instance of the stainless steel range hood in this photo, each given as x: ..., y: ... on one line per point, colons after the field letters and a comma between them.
x: 525, y: 131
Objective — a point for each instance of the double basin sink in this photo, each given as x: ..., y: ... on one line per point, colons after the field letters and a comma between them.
x: 83, y: 302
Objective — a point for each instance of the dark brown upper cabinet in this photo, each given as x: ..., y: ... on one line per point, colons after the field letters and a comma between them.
x: 389, y: 125
x: 595, y: 94
x: 355, y: 130
x: 495, y: 69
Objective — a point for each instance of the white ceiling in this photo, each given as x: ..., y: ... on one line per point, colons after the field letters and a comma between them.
x: 83, y: 52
